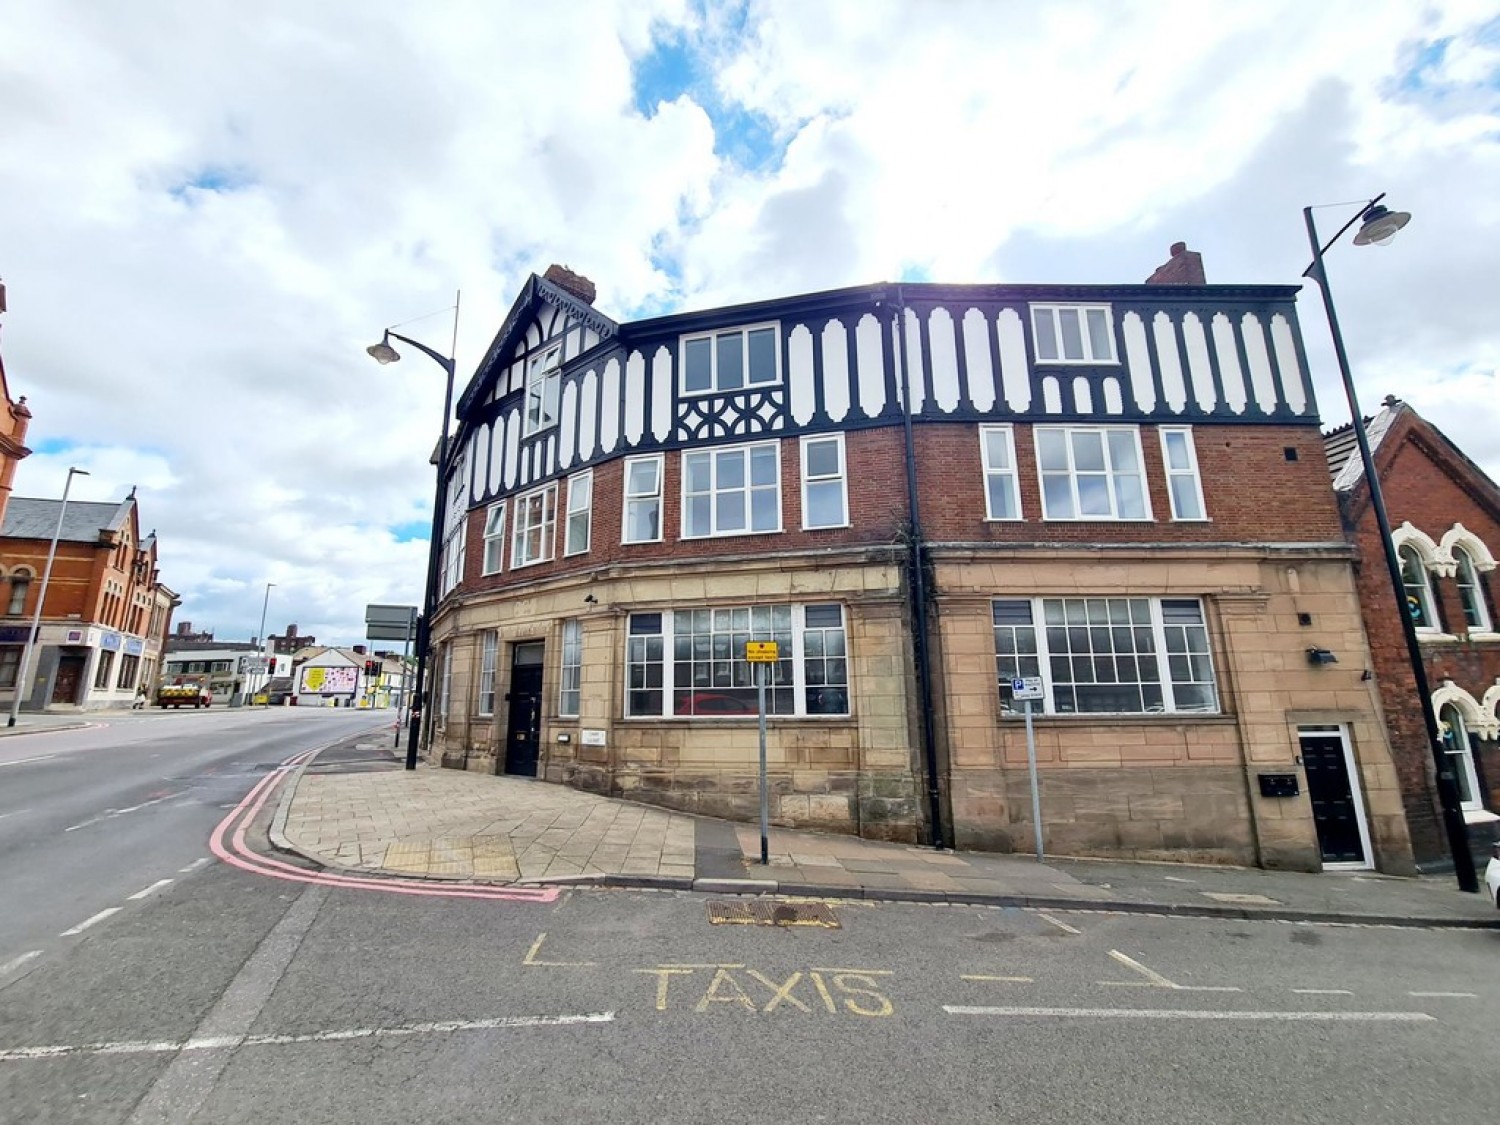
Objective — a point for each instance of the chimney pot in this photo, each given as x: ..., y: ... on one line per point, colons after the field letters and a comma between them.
x: 575, y: 283
x: 1182, y: 267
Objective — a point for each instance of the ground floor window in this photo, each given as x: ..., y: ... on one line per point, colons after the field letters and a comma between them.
x: 691, y: 662
x: 10, y: 665
x: 572, y: 669
x: 1106, y: 655
x: 129, y: 666
x: 106, y: 666
x: 445, y: 688
x: 489, y: 646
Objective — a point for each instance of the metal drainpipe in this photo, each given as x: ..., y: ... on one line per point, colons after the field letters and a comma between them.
x: 919, y: 586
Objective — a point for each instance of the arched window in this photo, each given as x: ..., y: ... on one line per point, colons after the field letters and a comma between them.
x: 20, y: 583
x: 1458, y: 744
x: 1418, y: 589
x: 1470, y: 592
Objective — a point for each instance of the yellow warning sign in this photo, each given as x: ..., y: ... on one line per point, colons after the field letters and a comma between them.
x: 761, y: 652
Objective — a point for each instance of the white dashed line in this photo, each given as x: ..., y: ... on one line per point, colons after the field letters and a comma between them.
x: 16, y: 962
x: 87, y: 922
x: 1061, y: 925
x: 1322, y: 992
x: 110, y: 814
x: 197, y: 863
x: 156, y: 886
x: 1445, y: 995
x: 1189, y: 1014
x: 23, y: 761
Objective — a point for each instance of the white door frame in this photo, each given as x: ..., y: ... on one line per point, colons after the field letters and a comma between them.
x: 1356, y: 794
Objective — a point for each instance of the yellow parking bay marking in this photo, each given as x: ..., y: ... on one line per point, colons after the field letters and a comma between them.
x: 850, y: 991
x: 1155, y: 979
x: 1007, y: 980
x: 1192, y: 1014
x: 536, y: 947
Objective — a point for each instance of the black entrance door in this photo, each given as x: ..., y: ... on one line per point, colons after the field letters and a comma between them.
x: 69, y: 681
x: 1334, y: 810
x: 524, y: 728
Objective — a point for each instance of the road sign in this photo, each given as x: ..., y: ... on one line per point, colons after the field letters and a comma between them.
x: 390, y: 622
x: 1026, y: 687
x: 761, y: 652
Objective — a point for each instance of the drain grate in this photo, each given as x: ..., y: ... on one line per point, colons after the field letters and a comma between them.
x: 768, y: 912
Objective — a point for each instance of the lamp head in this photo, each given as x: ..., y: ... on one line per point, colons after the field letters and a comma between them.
x: 1380, y: 226
x: 382, y: 352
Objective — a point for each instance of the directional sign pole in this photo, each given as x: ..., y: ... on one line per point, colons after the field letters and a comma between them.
x: 1036, y: 787
x: 765, y: 797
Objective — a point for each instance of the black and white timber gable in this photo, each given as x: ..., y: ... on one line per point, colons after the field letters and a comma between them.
x: 563, y: 387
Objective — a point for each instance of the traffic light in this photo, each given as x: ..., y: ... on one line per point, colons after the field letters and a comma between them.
x: 372, y: 667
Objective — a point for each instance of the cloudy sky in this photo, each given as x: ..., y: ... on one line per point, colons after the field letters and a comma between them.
x: 209, y: 210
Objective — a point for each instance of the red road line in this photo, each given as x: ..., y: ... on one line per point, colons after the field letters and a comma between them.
x: 247, y: 860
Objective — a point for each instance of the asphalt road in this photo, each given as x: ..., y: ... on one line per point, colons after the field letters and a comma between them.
x: 228, y: 996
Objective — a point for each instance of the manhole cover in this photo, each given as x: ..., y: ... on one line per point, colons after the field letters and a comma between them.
x: 766, y: 912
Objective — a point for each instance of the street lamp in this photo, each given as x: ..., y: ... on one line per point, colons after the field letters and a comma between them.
x: 41, y: 597
x: 261, y: 638
x: 1379, y: 226
x: 384, y: 353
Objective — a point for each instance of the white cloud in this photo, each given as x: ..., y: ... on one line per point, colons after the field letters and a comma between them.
x: 358, y: 163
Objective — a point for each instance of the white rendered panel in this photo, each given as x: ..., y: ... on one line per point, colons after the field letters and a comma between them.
x: 943, y: 350
x: 1262, y: 384
x: 1198, y: 365
x: 533, y: 335
x: 799, y: 375
x: 977, y: 354
x: 835, y: 370
x: 517, y: 377
x: 481, y: 463
x: 661, y: 393
x: 1015, y: 375
x: 1083, y: 396
x: 548, y: 459
x: 590, y: 338
x: 1173, y: 387
x: 1286, y: 360
x: 609, y: 408
x: 868, y: 352
x: 1113, y: 400
x: 635, y: 397
x: 512, y: 446
x: 588, y: 413
x: 1138, y: 358
x: 497, y: 453
x: 914, y: 380
x: 568, y: 427
x: 1051, y: 395
x: 1229, y: 363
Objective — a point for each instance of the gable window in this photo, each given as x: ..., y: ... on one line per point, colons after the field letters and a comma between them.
x: 19, y: 585
x: 1002, y: 499
x: 1184, y: 485
x: 533, y: 527
x: 1458, y: 746
x: 1106, y: 655
x: 730, y: 361
x: 825, y: 493
x: 1470, y: 592
x: 543, y: 383
x: 580, y: 513
x: 1418, y: 590
x: 488, y: 647
x: 1091, y: 472
x: 494, y: 538
x: 642, y: 522
x: 572, y: 669
x: 1073, y: 333
x: 731, y: 491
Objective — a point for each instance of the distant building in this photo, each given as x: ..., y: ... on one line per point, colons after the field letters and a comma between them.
x: 292, y: 642
x: 14, y: 420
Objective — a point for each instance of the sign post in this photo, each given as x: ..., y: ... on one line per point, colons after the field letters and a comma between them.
x: 1028, y: 688
x: 763, y: 654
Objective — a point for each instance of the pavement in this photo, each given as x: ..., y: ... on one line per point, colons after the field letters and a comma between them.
x: 354, y: 808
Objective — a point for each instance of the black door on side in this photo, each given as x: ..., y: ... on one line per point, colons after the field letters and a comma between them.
x: 523, y: 730
x: 1332, y: 797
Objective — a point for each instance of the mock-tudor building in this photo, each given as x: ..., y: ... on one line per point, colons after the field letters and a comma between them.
x: 1445, y: 520
x: 920, y: 492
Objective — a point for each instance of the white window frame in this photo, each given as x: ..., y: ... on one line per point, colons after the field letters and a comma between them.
x: 1160, y: 652
x: 570, y: 671
x: 494, y: 537
x: 990, y: 471
x: 1460, y: 747
x: 445, y: 683
x: 1109, y: 474
x: 1192, y: 472
x: 488, y: 662
x: 644, y: 498
x: 841, y: 478
x: 20, y: 590
x: 1466, y: 577
x: 744, y: 331
x: 580, y: 484
x: 1425, y: 593
x: 521, y: 525
x: 713, y: 453
x: 543, y: 368
x: 454, y: 545
x: 1052, y: 310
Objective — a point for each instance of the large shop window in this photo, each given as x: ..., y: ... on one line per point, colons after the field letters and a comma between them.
x: 494, y: 538
x: 1091, y: 473
x: 731, y: 491
x: 106, y: 666
x: 10, y: 665
x: 533, y: 526
x: 642, y: 522
x: 730, y: 361
x: 1073, y: 333
x: 489, y: 647
x: 1123, y: 656
x: 691, y: 662
x: 825, y: 496
x: 572, y: 669
x: 543, y: 381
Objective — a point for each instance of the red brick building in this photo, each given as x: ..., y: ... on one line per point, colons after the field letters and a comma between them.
x: 15, y: 417
x: 1445, y: 519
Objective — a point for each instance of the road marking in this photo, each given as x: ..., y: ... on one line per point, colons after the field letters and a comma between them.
x: 1176, y: 879
x: 536, y: 947
x: 14, y: 812
x: 156, y: 886
x: 1010, y: 980
x: 110, y: 814
x: 197, y: 863
x: 689, y: 965
x: 1061, y: 925
x: 86, y: 923
x: 23, y: 761
x: 16, y: 962
x: 1322, y: 992
x: 1445, y: 995
x: 1155, y: 979
x: 861, y: 972
x: 227, y: 1042
x: 1193, y: 1014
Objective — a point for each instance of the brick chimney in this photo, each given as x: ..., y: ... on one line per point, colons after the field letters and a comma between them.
x: 575, y: 283
x: 1184, y: 267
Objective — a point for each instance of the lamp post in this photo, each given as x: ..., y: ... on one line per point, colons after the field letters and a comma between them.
x: 383, y: 353
x: 41, y: 597
x: 261, y: 638
x: 1379, y: 226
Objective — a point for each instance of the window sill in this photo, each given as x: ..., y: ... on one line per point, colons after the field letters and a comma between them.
x: 1480, y: 816
x: 641, y: 542
x: 748, y: 388
x: 1099, y: 519
x: 805, y: 527
x: 737, y: 720
x: 533, y: 562
x: 1040, y: 363
x: 1155, y: 718
x: 1015, y: 519
x: 1425, y: 637
x: 1482, y: 636
x: 686, y: 538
